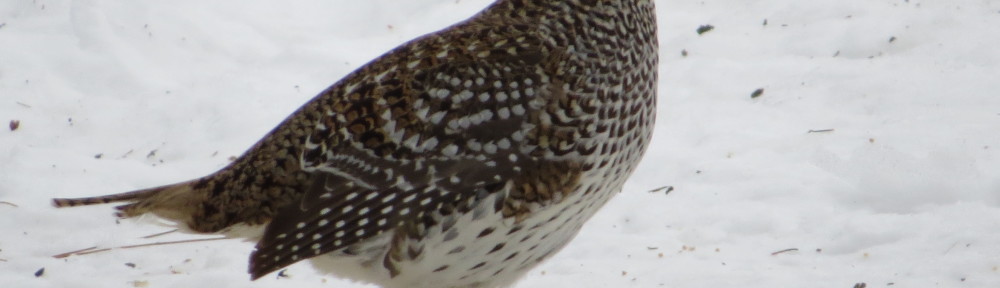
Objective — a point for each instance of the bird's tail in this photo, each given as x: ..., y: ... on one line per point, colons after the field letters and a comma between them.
x: 105, y: 199
x: 174, y: 202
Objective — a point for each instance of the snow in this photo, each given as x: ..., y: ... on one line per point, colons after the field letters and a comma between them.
x: 895, y: 186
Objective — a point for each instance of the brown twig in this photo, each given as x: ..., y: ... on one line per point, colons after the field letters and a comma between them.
x: 64, y: 255
x: 93, y: 250
x: 664, y: 188
x: 784, y: 251
x: 820, y: 131
x: 159, y: 234
x: 8, y: 203
x: 173, y: 242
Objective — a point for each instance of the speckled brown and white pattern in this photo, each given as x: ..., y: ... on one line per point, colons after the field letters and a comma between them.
x: 460, y: 159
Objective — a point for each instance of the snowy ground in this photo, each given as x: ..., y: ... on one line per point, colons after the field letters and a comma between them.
x: 899, y: 187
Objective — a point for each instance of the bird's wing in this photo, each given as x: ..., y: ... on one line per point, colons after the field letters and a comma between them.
x: 434, y: 125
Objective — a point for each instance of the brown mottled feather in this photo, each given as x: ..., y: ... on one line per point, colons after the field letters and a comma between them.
x: 459, y: 159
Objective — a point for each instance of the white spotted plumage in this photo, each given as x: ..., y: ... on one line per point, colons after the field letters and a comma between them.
x: 462, y: 158
x: 581, y: 130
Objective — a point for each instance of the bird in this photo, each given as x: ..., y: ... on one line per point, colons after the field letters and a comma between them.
x: 461, y: 158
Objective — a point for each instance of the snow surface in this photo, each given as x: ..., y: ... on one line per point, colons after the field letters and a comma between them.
x: 898, y: 189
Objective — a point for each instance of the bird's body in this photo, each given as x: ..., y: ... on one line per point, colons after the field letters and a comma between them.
x: 460, y: 159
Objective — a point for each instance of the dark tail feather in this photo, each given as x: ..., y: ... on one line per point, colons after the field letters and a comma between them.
x: 105, y: 199
x: 173, y: 201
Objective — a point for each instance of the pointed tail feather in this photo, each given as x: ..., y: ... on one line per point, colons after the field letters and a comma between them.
x: 105, y: 199
x: 174, y: 201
